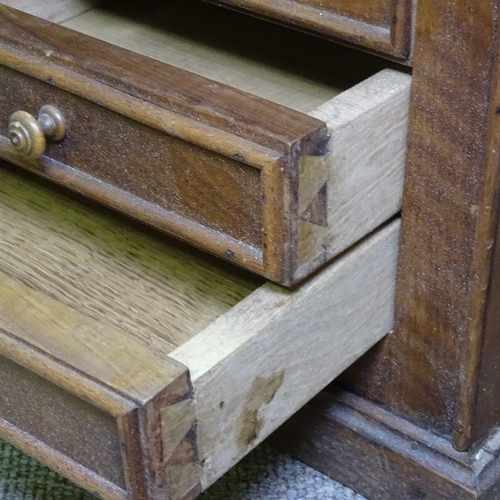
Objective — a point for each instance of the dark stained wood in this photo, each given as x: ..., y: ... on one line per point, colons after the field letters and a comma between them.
x: 487, y: 387
x: 385, y: 457
x: 48, y: 413
x: 380, y: 25
x: 430, y: 368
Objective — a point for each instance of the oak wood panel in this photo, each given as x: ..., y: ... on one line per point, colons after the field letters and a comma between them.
x: 265, y: 60
x: 381, y: 25
x: 252, y: 367
x: 429, y: 370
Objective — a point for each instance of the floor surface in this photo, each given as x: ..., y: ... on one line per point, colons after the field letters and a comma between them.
x: 265, y: 474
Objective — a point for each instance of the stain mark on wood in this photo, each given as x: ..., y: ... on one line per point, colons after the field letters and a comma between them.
x: 261, y: 394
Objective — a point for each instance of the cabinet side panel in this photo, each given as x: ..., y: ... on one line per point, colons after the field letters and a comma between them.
x: 428, y: 370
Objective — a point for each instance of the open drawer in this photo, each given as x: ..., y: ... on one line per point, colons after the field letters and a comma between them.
x: 141, y: 368
x: 275, y: 156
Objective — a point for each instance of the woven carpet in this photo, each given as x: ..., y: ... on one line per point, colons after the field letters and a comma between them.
x: 265, y: 474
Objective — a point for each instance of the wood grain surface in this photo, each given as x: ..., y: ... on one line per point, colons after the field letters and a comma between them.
x: 251, y: 368
x: 249, y: 194
x: 106, y: 269
x: 53, y: 10
x: 184, y: 407
x: 276, y: 149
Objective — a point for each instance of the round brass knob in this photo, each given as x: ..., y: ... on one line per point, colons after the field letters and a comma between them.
x: 29, y: 135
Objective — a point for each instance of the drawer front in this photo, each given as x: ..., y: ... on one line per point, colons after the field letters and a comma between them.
x: 46, y: 412
x: 381, y: 25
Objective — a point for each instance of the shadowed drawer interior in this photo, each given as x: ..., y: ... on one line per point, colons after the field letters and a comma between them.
x: 382, y: 25
x: 178, y: 363
x: 271, y: 149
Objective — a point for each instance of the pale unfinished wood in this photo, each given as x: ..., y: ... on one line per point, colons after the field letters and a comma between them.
x: 52, y: 10
x: 153, y: 33
x: 362, y: 174
x: 261, y: 361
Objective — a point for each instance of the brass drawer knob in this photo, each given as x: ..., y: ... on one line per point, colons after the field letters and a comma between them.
x: 29, y: 135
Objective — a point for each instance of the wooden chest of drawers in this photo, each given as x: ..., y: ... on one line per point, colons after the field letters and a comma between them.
x: 172, y: 365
